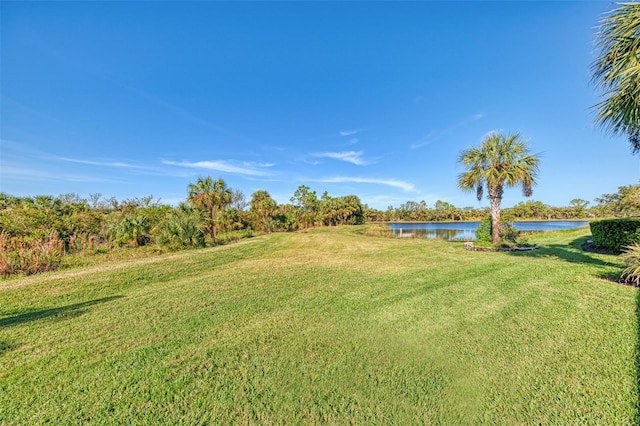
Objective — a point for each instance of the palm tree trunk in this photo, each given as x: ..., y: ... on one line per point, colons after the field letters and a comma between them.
x: 495, y: 199
x: 212, y: 230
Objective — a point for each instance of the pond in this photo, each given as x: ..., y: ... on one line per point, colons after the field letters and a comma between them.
x: 467, y: 230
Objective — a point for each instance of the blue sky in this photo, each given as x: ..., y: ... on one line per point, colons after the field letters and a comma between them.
x: 376, y: 99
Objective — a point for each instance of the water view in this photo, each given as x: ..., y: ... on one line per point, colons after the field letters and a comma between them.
x: 467, y: 230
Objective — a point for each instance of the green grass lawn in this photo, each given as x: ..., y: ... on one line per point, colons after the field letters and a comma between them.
x: 325, y: 326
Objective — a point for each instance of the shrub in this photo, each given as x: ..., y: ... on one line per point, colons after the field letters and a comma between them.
x: 508, y: 233
x: 132, y: 230
x: 378, y: 231
x: 182, y: 229
x: 483, y: 233
x: 29, y: 256
x: 631, y: 257
x: 615, y: 234
x: 281, y: 223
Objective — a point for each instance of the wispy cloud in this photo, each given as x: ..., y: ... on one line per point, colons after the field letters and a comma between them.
x: 22, y: 174
x: 433, y: 136
x: 354, y: 157
x: 103, y: 163
x: 405, y: 186
x: 350, y: 132
x: 245, y: 168
x: 254, y: 164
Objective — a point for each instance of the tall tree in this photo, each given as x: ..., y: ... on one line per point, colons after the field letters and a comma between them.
x: 212, y: 197
x: 307, y: 204
x: 616, y: 71
x: 500, y: 161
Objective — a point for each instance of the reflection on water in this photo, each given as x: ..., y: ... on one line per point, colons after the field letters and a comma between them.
x: 466, y: 231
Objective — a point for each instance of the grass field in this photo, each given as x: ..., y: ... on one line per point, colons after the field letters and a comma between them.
x: 325, y: 326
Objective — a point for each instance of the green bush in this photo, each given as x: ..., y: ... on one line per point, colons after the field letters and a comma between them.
x: 483, y: 232
x: 508, y: 234
x: 615, y: 234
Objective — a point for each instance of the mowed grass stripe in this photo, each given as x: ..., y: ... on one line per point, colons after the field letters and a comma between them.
x: 326, y: 326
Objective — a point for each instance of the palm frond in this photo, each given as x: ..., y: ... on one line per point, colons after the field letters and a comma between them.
x: 616, y: 71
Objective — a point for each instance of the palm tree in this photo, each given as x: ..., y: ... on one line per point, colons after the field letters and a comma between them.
x: 501, y: 160
x: 263, y: 207
x: 616, y: 71
x: 211, y: 197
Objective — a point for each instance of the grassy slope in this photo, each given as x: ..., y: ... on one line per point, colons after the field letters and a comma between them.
x: 327, y: 325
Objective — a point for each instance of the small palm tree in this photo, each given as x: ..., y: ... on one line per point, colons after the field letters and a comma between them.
x: 212, y: 197
x: 616, y: 71
x: 500, y: 161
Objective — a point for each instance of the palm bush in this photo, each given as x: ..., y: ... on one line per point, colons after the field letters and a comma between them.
x: 631, y: 257
x: 183, y: 228
x: 132, y: 230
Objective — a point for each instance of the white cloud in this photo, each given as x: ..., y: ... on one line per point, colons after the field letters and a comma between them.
x: 354, y: 157
x: 405, y: 186
x: 349, y: 132
x: 253, y: 164
x: 250, y: 169
x: 103, y: 163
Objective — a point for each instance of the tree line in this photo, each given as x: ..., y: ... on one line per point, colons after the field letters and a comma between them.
x: 624, y: 203
x: 36, y: 232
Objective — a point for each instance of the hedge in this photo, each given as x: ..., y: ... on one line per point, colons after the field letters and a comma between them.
x: 615, y: 234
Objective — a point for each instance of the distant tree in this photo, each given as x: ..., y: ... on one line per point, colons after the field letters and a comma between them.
x: 238, y: 200
x: 578, y: 206
x: 284, y: 219
x: 263, y: 207
x: 625, y: 202
x: 351, y: 210
x: 616, y: 71
x: 211, y: 197
x: 307, y: 204
x: 500, y: 161
x: 445, y: 210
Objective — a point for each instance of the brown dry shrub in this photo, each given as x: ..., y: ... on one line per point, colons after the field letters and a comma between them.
x: 25, y: 256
